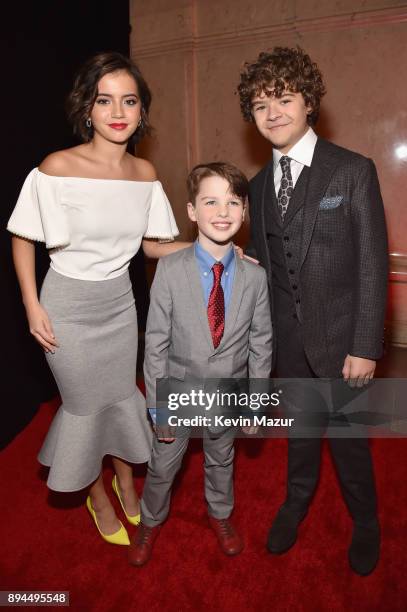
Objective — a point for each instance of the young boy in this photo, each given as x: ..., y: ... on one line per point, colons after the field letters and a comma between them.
x: 209, y: 318
x: 318, y: 228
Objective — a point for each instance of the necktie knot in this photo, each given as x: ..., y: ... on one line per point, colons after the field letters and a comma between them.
x: 217, y: 270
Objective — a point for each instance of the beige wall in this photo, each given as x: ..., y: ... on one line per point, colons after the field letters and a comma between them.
x: 191, y: 52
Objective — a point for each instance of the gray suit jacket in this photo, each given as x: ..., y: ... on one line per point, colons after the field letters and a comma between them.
x: 178, y: 339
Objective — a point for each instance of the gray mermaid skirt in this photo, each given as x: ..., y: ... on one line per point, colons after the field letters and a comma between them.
x: 102, y: 412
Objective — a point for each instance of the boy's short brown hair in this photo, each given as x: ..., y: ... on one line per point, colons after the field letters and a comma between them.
x: 239, y: 185
x: 283, y: 68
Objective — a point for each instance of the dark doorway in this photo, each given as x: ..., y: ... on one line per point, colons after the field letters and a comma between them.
x: 43, y: 45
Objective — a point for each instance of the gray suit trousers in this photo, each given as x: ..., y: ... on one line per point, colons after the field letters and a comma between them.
x: 166, y: 459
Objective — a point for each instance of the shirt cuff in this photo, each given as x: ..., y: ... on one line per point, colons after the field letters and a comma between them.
x: 153, y: 414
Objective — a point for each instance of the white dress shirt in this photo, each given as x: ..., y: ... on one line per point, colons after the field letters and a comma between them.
x: 301, y: 155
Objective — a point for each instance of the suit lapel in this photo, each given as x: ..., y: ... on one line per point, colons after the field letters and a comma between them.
x: 298, y: 197
x: 322, y: 167
x: 275, y: 213
x: 196, y: 292
x: 265, y: 201
x: 235, y: 301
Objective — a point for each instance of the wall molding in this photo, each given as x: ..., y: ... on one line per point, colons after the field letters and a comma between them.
x: 398, y: 267
x: 396, y: 328
x: 256, y: 34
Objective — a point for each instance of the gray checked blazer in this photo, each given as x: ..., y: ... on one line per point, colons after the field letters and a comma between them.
x: 178, y: 339
x: 343, y: 263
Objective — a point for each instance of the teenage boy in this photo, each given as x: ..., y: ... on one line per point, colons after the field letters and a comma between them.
x: 318, y: 228
x: 209, y: 318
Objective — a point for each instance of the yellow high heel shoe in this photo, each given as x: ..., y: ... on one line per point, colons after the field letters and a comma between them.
x: 133, y: 520
x: 118, y: 537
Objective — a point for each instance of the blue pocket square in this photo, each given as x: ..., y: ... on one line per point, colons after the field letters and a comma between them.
x: 328, y: 203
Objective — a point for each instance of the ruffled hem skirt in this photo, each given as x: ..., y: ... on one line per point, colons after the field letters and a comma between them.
x: 102, y: 411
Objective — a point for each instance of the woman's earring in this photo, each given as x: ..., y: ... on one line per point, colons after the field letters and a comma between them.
x: 140, y: 122
x: 88, y: 122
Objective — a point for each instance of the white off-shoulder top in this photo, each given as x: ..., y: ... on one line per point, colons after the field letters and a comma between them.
x: 93, y: 227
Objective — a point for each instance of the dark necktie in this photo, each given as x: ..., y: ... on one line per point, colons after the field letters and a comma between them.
x: 286, y: 186
x: 216, y: 306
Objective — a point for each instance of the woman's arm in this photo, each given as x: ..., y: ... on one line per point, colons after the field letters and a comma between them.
x: 39, y: 323
x: 24, y: 262
x: 155, y: 249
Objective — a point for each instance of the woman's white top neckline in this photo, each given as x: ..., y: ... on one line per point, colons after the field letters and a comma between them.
x: 95, y: 178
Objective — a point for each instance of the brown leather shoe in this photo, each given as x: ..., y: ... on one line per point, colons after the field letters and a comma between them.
x: 229, y: 540
x: 141, y: 545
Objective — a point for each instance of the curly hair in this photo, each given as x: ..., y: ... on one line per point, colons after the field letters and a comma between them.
x: 85, y: 89
x: 272, y: 73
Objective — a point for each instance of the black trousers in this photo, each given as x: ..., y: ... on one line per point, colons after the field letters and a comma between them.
x: 352, y: 457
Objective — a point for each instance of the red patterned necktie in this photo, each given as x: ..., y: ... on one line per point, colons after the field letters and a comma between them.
x: 216, y: 306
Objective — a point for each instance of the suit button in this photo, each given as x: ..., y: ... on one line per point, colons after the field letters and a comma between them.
x: 291, y: 271
x: 286, y: 238
x: 295, y: 287
x: 289, y: 254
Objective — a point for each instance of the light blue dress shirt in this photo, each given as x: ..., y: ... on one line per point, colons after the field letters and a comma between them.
x: 205, y: 262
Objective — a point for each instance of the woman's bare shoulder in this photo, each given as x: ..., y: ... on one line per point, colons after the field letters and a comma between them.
x: 60, y: 163
x: 143, y: 170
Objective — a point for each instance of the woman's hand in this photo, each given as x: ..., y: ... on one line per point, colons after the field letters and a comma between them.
x: 41, y: 328
x: 38, y: 321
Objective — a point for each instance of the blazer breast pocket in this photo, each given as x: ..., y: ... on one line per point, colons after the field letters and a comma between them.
x: 330, y: 203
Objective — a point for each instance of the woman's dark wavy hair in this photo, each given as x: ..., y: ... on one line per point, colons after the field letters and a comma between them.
x: 283, y: 68
x: 85, y: 89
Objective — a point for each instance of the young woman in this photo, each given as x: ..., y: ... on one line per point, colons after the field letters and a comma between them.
x: 93, y: 205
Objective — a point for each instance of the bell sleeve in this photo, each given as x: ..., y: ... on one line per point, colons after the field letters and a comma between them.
x: 38, y: 214
x: 161, y: 221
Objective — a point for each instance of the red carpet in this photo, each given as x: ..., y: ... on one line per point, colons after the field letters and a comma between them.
x: 49, y: 543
